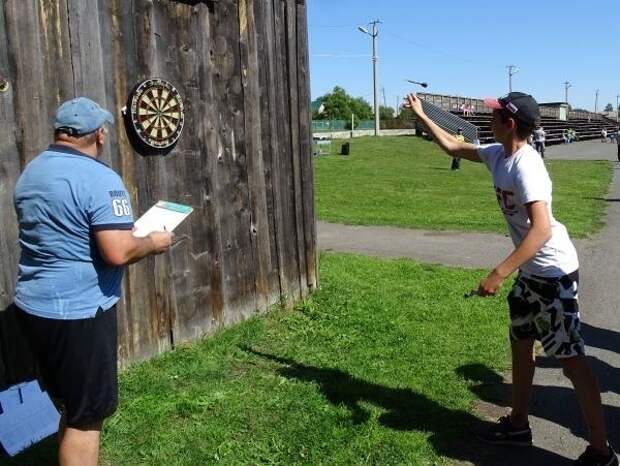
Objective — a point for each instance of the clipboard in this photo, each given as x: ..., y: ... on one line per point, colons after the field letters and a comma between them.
x: 163, y: 216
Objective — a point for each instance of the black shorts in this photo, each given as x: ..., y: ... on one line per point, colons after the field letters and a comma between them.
x: 77, y: 360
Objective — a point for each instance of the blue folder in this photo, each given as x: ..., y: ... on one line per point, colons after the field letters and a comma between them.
x: 27, y: 415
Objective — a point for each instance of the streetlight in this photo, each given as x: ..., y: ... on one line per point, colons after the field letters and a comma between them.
x: 375, y: 68
x: 512, y: 70
x: 596, y: 102
x: 566, y: 86
x: 425, y: 85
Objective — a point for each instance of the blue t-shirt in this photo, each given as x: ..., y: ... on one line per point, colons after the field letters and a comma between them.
x: 63, y: 197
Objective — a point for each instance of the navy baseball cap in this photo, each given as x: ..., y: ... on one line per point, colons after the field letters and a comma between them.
x: 81, y: 116
x: 519, y: 105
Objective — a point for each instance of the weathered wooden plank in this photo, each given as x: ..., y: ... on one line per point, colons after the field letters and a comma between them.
x: 232, y: 196
x: 305, y: 139
x: 267, y: 281
x: 184, y: 170
x: 9, y: 172
x: 12, y: 352
x: 284, y: 158
x: 144, y: 328
x: 86, y: 38
x: 294, y: 121
x: 56, y: 53
x: 267, y: 84
x: 206, y: 235
x: 29, y: 79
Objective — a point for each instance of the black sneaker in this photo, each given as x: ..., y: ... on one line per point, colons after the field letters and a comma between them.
x: 591, y: 457
x: 504, y: 433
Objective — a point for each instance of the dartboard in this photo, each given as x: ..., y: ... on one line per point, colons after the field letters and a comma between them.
x: 157, y: 113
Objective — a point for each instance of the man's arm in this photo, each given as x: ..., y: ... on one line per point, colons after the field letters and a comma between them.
x: 120, y: 247
x: 445, y: 140
x: 537, y: 236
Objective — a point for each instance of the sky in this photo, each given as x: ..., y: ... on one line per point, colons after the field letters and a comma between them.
x: 463, y: 48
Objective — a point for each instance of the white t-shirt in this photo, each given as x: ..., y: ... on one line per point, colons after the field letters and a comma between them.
x: 520, y: 179
x: 539, y: 135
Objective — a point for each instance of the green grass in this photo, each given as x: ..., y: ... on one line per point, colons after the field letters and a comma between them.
x: 407, y: 182
x: 365, y: 372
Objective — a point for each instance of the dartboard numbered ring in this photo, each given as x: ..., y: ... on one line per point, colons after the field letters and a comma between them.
x: 156, y: 114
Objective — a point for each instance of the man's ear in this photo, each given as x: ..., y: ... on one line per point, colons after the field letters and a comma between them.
x: 100, y: 136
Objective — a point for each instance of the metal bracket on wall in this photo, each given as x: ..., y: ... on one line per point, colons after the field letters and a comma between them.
x: 4, y: 84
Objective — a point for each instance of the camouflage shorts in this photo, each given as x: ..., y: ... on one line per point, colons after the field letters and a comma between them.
x: 546, y: 309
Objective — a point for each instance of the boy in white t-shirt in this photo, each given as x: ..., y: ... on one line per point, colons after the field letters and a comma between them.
x: 543, y: 300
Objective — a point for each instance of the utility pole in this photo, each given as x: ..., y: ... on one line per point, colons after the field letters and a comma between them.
x: 596, y: 102
x: 375, y: 68
x: 398, y: 106
x: 512, y: 70
x: 617, y: 108
x: 566, y: 86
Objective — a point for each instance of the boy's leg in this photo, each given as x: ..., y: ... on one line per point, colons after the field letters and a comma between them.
x: 523, y: 366
x: 578, y: 370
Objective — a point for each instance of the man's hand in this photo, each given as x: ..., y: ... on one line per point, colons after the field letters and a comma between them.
x: 162, y: 240
x: 412, y: 102
x: 491, y: 285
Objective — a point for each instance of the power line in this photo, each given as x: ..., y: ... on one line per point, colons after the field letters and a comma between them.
x: 452, y: 55
x: 333, y: 26
x: 336, y: 55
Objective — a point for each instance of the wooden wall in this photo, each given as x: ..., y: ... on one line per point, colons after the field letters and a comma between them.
x: 243, y: 161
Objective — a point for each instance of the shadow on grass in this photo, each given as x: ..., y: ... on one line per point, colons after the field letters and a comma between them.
x: 553, y: 403
x: 450, y: 430
x: 606, y: 199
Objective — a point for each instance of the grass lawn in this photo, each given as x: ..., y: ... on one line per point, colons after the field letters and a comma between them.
x: 407, y: 182
x: 365, y: 372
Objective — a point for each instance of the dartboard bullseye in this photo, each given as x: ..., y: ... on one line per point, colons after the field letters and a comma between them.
x: 156, y: 114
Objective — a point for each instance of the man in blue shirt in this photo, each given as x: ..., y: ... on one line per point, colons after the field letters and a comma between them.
x: 75, y: 232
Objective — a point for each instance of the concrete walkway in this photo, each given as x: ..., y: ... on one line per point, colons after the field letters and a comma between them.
x: 556, y: 419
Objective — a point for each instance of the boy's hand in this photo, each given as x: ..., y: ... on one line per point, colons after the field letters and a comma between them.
x: 491, y: 285
x: 412, y: 102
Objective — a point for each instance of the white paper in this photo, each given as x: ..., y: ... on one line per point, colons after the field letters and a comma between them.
x: 163, y: 216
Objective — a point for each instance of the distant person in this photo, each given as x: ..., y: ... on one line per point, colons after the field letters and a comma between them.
x: 464, y: 109
x: 603, y: 135
x: 543, y: 301
x: 617, y: 137
x: 565, y: 136
x: 539, y: 140
x: 456, y: 161
x: 571, y: 135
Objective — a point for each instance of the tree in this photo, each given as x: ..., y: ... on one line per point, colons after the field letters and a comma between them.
x: 609, y: 108
x: 338, y: 105
x: 386, y: 113
x: 406, y: 114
